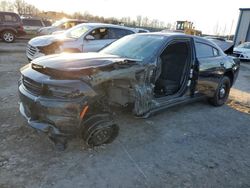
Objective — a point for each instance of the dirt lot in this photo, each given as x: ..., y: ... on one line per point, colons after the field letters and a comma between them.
x: 194, y: 145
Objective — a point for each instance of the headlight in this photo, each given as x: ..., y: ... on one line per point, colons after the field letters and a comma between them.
x: 63, y: 92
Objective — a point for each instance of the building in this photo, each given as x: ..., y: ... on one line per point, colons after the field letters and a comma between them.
x: 242, y: 33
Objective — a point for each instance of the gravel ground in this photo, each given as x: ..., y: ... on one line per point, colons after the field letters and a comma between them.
x: 193, y: 145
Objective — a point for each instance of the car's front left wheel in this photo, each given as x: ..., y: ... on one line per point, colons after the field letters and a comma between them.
x: 222, y: 92
x: 8, y: 36
x: 98, y: 130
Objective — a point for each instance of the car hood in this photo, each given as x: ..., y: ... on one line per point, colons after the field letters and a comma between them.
x: 73, y: 65
x: 48, y: 39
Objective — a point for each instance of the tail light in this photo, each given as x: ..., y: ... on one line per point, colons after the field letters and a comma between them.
x: 20, y: 27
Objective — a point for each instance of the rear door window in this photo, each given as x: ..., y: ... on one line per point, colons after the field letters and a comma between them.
x: 204, y: 50
x: 116, y: 33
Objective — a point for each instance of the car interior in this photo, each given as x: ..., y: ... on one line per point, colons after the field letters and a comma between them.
x: 100, y: 33
x: 174, y: 63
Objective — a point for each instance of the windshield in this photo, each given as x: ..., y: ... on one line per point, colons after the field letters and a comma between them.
x: 245, y: 45
x: 77, y: 31
x: 135, y: 46
x: 57, y: 23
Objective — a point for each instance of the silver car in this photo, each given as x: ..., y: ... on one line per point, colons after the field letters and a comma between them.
x: 32, y: 25
x: 60, y: 25
x: 86, y: 37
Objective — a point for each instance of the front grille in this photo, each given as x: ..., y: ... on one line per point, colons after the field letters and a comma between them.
x: 33, y: 86
x: 31, y: 50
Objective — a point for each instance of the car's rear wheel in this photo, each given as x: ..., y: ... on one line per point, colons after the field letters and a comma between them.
x: 98, y: 130
x: 221, y: 95
x: 8, y: 36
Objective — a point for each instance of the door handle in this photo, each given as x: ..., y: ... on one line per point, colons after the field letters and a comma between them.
x: 222, y: 63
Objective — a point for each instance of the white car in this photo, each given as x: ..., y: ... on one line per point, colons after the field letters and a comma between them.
x: 243, y: 51
x: 86, y: 37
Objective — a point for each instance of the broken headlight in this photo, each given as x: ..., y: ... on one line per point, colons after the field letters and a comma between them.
x: 50, y: 49
x: 63, y: 92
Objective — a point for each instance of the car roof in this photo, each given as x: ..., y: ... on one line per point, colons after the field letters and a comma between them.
x: 4, y: 12
x: 95, y: 25
x: 165, y: 34
x: 32, y: 19
x: 181, y: 35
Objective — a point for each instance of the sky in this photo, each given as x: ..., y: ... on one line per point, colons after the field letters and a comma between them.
x: 206, y: 15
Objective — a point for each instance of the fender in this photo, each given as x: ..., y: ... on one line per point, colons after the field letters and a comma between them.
x: 9, y: 29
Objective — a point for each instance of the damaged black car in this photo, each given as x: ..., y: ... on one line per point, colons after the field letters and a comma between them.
x: 66, y: 95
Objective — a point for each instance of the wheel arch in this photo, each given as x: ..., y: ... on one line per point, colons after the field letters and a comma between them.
x: 8, y: 29
x: 230, y: 75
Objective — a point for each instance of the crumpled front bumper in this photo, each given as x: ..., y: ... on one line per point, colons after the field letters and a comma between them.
x: 54, y: 116
x: 38, y: 125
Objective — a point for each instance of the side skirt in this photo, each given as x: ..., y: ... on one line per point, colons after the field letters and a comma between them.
x: 174, y: 102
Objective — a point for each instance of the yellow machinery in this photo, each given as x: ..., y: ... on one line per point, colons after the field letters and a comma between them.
x: 187, y: 28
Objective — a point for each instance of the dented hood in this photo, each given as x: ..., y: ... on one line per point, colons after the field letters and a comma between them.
x: 76, y: 63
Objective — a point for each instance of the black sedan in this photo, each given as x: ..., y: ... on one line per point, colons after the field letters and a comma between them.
x: 75, y: 94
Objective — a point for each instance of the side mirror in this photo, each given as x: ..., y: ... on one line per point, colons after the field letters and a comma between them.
x: 89, y: 37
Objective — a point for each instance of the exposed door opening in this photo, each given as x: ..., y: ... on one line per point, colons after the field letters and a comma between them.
x: 175, y: 61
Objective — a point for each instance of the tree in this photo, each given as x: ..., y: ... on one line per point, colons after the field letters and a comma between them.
x: 138, y: 20
x: 145, y: 21
x: 6, y: 6
x: 19, y: 5
x: 24, y: 8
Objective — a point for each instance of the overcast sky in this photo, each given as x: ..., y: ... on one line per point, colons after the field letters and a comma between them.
x: 205, y: 14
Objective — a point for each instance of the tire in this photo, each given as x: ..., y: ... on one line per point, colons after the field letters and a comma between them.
x: 222, y: 92
x: 8, y: 36
x: 98, y: 130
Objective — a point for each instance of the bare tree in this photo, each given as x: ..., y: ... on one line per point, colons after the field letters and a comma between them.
x: 145, y: 21
x: 138, y: 20
x: 24, y: 8
x: 6, y: 6
x: 19, y: 5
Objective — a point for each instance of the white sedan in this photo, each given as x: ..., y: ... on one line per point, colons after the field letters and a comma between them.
x: 243, y: 51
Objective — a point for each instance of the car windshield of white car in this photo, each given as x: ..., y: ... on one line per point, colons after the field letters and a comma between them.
x: 76, y: 32
x: 57, y: 23
x: 135, y: 46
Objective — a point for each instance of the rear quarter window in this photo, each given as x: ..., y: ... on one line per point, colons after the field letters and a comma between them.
x: 47, y: 23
